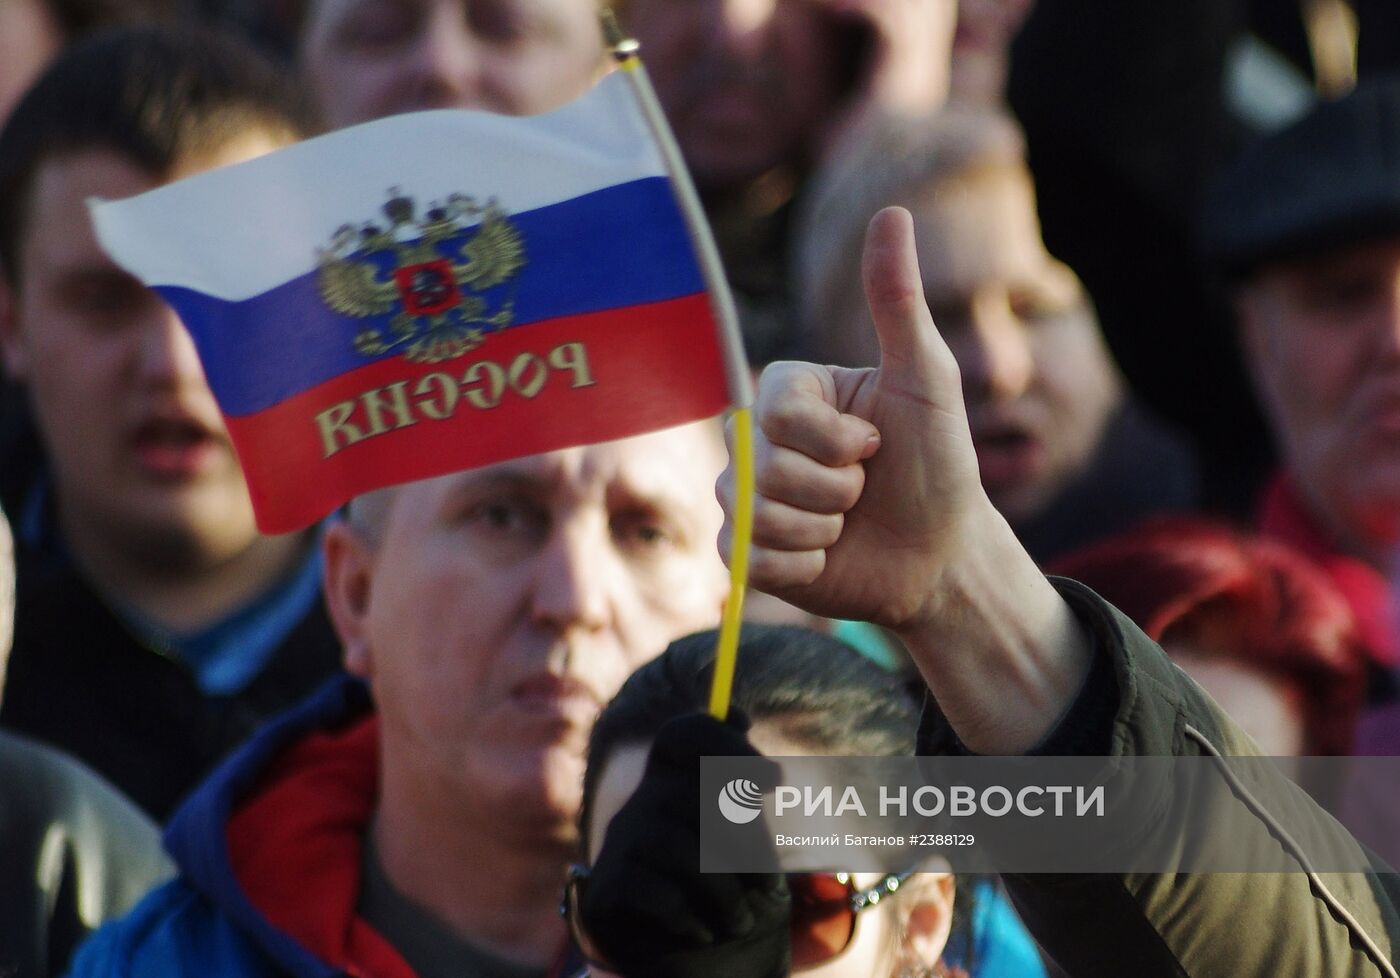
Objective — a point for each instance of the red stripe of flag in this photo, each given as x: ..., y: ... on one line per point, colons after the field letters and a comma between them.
x: 568, y: 381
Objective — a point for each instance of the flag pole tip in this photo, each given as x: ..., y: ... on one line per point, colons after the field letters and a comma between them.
x: 621, y: 46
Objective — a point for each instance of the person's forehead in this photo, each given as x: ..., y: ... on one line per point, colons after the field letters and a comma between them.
x: 323, y: 13
x: 678, y: 465
x: 66, y: 179
x: 63, y: 183
x: 1364, y: 257
x: 58, y: 235
x: 971, y: 229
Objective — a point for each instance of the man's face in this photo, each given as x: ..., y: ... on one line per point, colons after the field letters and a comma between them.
x: 746, y: 84
x: 982, y: 47
x: 1036, y: 375
x: 1323, y: 342
x: 135, y: 442
x: 501, y: 608
x: 365, y: 59
x: 28, y: 39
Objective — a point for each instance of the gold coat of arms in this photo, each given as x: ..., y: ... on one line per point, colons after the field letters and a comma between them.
x: 429, y: 274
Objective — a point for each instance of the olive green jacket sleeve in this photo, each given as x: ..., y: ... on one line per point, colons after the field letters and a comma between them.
x: 1205, y: 925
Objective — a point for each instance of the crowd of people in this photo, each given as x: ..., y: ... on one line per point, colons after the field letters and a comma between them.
x: 1103, y: 459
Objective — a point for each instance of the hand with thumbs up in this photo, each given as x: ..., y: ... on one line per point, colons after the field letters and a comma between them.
x: 869, y: 506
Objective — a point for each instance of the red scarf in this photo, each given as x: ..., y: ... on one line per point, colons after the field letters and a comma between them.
x: 1284, y: 517
x: 296, y: 846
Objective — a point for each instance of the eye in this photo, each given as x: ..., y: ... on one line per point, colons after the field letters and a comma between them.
x: 107, y: 299
x: 1340, y: 293
x: 378, y: 24
x: 1035, y: 307
x: 643, y: 531
x: 504, y: 21
x: 507, y: 518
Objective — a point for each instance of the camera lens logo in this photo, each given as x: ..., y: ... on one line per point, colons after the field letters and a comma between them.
x: 740, y: 801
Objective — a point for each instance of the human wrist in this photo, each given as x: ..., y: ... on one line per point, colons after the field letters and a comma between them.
x: 1001, y: 651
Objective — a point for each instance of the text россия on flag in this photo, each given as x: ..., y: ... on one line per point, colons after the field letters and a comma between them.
x: 432, y: 292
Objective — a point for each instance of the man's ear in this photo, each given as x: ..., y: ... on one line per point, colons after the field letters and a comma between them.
x: 929, y: 918
x: 348, y: 578
x: 12, y: 353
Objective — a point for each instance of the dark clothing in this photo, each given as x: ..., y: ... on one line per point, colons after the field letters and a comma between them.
x: 80, y: 679
x: 271, y: 858
x: 753, y: 232
x: 73, y: 853
x: 1126, y: 121
x: 21, y: 457
x: 429, y: 946
x: 1205, y: 925
x: 1140, y: 469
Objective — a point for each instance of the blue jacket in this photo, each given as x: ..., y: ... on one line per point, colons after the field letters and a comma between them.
x: 206, y: 922
x: 269, y: 878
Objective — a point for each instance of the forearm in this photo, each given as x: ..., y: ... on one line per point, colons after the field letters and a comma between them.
x: 1001, y: 651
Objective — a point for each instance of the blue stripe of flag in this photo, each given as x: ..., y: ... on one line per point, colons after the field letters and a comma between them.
x: 621, y: 246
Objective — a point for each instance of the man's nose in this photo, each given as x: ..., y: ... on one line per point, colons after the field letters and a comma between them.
x: 573, y: 578
x: 446, y: 62
x: 167, y: 354
x: 997, y: 361
x: 746, y: 26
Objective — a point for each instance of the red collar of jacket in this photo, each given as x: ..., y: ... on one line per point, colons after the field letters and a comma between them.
x: 296, y: 849
x: 1283, y: 516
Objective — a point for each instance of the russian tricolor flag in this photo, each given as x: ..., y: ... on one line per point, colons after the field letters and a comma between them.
x: 433, y: 292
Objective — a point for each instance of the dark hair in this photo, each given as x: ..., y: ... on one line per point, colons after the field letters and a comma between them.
x: 823, y: 693
x: 150, y: 95
x: 78, y: 18
x: 819, y: 690
x: 1245, y: 598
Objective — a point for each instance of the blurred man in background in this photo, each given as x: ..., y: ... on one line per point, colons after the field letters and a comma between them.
x: 1306, y: 225
x: 156, y: 627
x: 1065, y: 452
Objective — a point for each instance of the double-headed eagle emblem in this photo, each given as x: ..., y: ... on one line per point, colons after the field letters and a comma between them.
x: 429, y: 273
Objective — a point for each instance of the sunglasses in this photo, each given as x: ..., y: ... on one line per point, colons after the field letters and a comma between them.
x: 825, y: 909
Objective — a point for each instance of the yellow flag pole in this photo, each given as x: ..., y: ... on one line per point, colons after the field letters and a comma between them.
x: 625, y: 53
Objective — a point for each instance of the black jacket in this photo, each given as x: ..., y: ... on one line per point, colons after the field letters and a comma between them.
x: 80, y: 680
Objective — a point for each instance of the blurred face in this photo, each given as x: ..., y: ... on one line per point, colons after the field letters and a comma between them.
x: 1323, y: 342
x: 746, y: 84
x: 927, y: 899
x: 982, y: 45
x: 365, y: 59
x: 503, y: 606
x: 137, y: 449
x: 1036, y: 374
x: 28, y: 39
x: 1263, y: 706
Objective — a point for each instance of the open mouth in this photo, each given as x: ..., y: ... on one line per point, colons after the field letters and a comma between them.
x: 1006, y: 455
x: 173, y: 447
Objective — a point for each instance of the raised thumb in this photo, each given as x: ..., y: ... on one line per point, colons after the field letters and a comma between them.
x: 913, y: 356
